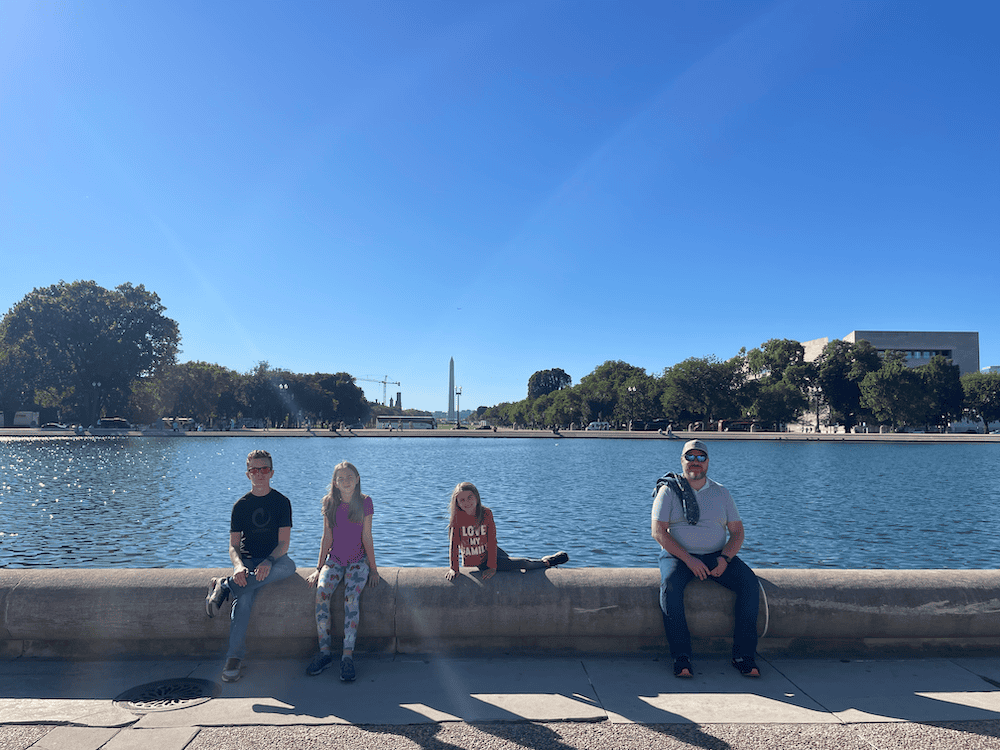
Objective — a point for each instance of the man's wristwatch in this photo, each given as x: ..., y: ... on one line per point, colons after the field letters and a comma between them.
x: 727, y: 558
x: 270, y: 559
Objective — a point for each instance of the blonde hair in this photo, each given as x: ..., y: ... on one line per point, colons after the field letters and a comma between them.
x: 333, y: 498
x: 453, y: 506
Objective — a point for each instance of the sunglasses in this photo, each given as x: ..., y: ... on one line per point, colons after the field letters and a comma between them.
x: 259, y: 470
x: 699, y: 457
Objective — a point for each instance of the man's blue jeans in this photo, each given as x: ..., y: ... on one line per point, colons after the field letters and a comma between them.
x: 738, y: 577
x: 243, y: 597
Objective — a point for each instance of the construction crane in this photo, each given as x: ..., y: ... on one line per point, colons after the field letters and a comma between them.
x: 385, y: 385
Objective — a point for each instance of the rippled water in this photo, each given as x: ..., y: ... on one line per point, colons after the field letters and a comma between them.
x: 165, y: 502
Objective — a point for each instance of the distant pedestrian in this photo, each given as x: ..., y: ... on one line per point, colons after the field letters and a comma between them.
x: 347, y: 552
x: 260, y: 529
x: 473, y: 533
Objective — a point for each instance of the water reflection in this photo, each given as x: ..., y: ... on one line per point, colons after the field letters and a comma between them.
x: 165, y: 502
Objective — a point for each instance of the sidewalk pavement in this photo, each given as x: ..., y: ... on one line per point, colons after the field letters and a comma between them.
x: 502, y: 702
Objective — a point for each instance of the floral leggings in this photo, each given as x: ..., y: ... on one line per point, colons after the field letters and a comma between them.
x: 355, y: 577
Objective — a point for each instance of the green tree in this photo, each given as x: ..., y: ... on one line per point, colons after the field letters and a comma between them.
x: 896, y: 394
x: 230, y: 406
x: 63, y: 340
x: 348, y: 399
x: 498, y: 414
x: 518, y: 412
x: 839, y: 371
x: 777, y: 403
x: 565, y: 408
x: 262, y: 394
x: 777, y: 395
x: 193, y: 389
x: 547, y: 381
x: 703, y: 389
x: 144, y: 403
x: 944, y: 390
x: 638, y: 399
x: 982, y: 396
x: 537, y: 408
x: 775, y: 357
x: 602, y: 391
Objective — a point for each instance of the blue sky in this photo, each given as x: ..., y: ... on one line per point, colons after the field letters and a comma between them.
x: 375, y: 187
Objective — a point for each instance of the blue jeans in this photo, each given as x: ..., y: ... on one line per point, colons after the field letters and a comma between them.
x: 739, y: 578
x: 243, y: 598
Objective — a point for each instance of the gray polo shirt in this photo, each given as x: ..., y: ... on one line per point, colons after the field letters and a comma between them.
x: 710, y: 533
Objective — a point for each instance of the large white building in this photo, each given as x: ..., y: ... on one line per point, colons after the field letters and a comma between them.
x: 961, y: 347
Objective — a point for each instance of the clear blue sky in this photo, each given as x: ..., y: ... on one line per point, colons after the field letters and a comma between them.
x: 375, y: 187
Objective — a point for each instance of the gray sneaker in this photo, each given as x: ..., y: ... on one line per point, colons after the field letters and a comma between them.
x: 218, y: 592
x: 319, y: 663
x: 347, y: 669
x: 233, y: 669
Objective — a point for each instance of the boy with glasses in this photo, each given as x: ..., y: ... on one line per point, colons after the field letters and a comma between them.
x: 699, y: 530
x: 260, y: 529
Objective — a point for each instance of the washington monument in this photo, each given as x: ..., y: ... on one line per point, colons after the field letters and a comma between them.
x: 451, y: 390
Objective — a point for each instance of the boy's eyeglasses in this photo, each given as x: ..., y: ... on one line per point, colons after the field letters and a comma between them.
x: 699, y: 457
x: 259, y: 470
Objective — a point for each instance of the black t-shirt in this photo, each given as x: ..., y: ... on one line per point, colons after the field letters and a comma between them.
x: 258, y: 519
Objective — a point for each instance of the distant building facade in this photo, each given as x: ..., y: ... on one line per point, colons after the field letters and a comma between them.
x: 961, y: 347
x: 812, y: 349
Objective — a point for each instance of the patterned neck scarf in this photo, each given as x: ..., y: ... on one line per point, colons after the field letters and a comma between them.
x: 679, y: 484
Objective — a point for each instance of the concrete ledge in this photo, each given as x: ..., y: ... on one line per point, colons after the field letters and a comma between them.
x: 100, y: 613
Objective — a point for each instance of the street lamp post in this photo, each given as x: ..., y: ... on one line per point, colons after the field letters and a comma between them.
x: 631, y: 404
x: 458, y: 409
x: 282, y: 390
x: 97, y: 400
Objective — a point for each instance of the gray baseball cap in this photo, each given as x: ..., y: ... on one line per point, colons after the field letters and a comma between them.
x: 695, y: 445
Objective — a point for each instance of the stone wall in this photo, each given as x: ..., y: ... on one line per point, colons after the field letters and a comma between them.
x: 125, y: 613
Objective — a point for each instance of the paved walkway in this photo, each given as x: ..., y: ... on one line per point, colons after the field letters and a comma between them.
x: 504, y: 702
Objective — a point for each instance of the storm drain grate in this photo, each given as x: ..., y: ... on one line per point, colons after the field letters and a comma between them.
x: 167, y: 695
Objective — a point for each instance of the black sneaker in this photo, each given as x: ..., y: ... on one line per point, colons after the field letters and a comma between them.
x: 746, y: 666
x: 557, y: 559
x: 233, y: 670
x: 218, y: 592
x: 682, y: 667
x: 347, y: 669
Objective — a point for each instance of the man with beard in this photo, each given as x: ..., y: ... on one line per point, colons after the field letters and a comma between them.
x: 699, y: 531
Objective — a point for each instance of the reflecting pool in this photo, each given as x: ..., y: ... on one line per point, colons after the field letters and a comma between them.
x: 164, y: 502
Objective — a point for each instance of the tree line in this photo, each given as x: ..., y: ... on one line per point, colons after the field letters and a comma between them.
x: 76, y: 352
x: 849, y: 384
